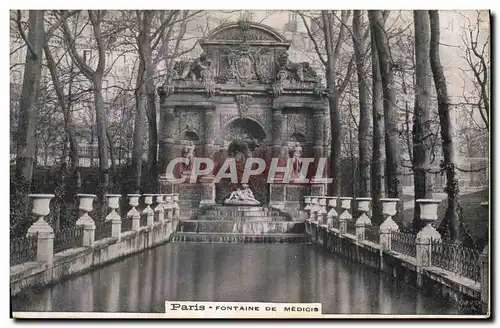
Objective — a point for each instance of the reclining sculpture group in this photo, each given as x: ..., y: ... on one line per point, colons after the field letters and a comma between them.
x: 200, y: 70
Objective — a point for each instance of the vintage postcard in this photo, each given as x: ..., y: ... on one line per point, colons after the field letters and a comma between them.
x: 250, y: 164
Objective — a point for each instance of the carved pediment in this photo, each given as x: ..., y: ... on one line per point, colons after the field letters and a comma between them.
x: 249, y: 31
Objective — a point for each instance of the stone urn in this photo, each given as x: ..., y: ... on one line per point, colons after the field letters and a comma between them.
x: 148, y: 199
x: 134, y: 199
x: 332, y: 203
x: 389, y: 210
x: 114, y: 204
x: 345, y: 204
x: 41, y: 204
x: 86, y: 206
x: 428, y: 215
x: 86, y: 202
x: 114, y: 201
x: 41, y: 208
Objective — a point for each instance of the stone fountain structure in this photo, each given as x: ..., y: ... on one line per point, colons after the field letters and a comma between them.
x: 243, y: 97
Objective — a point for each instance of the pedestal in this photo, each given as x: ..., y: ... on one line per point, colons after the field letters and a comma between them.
x: 207, y: 191
x: 277, y: 195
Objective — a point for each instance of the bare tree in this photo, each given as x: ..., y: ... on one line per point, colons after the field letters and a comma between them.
x: 95, y: 76
x: 421, y: 113
x: 451, y: 222
x: 477, y: 58
x: 28, y: 107
x: 377, y: 171
x: 392, y: 154
x: 335, y: 89
x: 364, y: 112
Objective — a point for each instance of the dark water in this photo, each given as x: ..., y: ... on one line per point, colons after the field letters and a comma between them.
x: 237, y: 273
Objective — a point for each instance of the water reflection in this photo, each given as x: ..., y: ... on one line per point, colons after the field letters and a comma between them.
x: 233, y: 272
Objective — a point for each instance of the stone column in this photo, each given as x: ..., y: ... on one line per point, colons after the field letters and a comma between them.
x: 148, y: 211
x: 277, y: 132
x: 314, y: 209
x: 113, y: 216
x: 207, y: 191
x: 86, y: 206
x: 363, y: 220
x: 345, y: 216
x: 318, y: 132
x: 277, y: 194
x: 134, y: 213
x: 167, y: 131
x: 159, y: 208
x: 388, y: 210
x: 43, y: 231
x: 425, y: 237
x: 322, y: 211
x: 485, y: 278
x: 208, y: 125
x: 175, y: 206
x: 332, y: 213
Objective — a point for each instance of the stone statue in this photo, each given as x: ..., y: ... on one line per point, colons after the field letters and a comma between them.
x: 301, y: 72
x: 194, y: 69
x: 188, y: 153
x: 297, y: 154
x: 242, y: 196
x: 197, y: 70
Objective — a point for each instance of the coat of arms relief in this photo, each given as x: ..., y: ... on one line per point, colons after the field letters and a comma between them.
x: 245, y: 65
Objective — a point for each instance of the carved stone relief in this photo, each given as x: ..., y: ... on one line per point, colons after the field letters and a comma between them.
x: 297, y: 123
x: 190, y: 120
x: 237, y: 33
x: 243, y: 102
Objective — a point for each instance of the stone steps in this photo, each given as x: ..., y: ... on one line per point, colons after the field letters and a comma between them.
x: 240, y: 217
x: 245, y: 227
x: 232, y: 213
x: 205, y: 237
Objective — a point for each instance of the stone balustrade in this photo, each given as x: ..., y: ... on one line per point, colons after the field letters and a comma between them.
x: 473, y: 267
x: 166, y: 213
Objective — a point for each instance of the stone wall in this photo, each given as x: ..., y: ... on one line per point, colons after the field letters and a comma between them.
x: 400, y: 266
x: 79, y: 260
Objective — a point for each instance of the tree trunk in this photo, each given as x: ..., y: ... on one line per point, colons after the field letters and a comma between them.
x: 333, y: 101
x: 26, y: 130
x: 377, y: 177
x: 65, y: 104
x: 137, y: 148
x: 149, y: 87
x: 364, y: 112
x: 392, y: 154
x: 102, y: 142
x: 421, y: 114
x: 452, y: 221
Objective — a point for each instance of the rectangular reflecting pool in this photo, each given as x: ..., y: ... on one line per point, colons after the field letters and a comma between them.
x: 234, y: 273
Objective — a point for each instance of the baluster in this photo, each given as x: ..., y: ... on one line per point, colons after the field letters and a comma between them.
x: 388, y: 210
x: 41, y: 229
x: 428, y: 235
x: 345, y: 204
x: 113, y: 216
x: 134, y: 214
x: 332, y: 214
x: 86, y: 206
x: 363, y: 220
x: 314, y: 209
x: 321, y: 210
x: 307, y: 207
x: 159, y: 209
x: 176, y: 214
x: 148, y: 211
